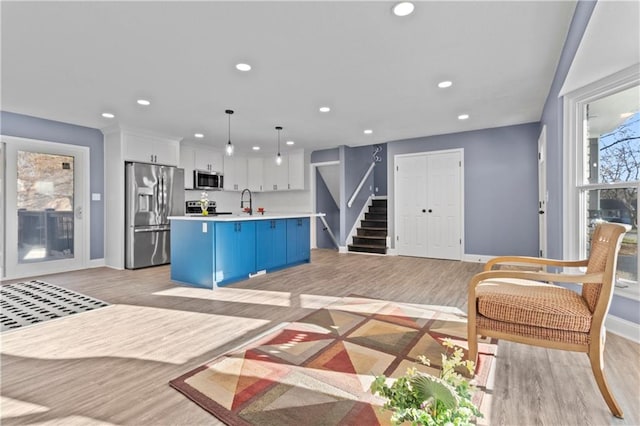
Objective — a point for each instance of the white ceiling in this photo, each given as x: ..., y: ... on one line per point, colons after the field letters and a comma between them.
x: 71, y: 61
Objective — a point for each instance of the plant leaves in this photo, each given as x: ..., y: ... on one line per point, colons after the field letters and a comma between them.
x: 433, y: 387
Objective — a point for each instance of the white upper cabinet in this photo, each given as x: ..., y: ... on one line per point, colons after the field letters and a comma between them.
x: 150, y: 149
x: 255, y: 179
x: 296, y: 169
x: 276, y: 177
x: 194, y: 157
x: 187, y: 156
x: 208, y: 159
x: 235, y: 173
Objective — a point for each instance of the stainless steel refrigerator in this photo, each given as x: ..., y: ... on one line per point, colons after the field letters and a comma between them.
x: 153, y: 193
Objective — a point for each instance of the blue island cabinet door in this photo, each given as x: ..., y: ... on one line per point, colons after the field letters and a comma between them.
x: 298, y: 240
x: 235, y: 251
x: 271, y: 236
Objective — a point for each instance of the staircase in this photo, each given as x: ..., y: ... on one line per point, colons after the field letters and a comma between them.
x: 371, y: 236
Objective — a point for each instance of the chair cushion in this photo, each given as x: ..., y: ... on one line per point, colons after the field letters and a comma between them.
x: 533, y: 303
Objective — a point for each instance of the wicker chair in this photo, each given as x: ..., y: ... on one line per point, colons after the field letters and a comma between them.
x: 523, y: 307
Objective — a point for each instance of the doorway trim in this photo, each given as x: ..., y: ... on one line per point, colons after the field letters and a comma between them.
x: 396, y: 215
x: 82, y: 155
x: 543, y: 193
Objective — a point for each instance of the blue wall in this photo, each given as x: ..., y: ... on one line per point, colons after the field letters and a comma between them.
x: 552, y: 116
x: 500, y: 186
x: 380, y: 172
x: 326, y: 204
x: 24, y: 126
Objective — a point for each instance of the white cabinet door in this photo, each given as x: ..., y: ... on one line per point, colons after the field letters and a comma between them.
x: 166, y: 152
x: 208, y: 159
x: 276, y: 177
x: 150, y: 149
x: 235, y: 173
x: 255, y: 181
x: 296, y: 170
x: 138, y: 148
x: 187, y: 154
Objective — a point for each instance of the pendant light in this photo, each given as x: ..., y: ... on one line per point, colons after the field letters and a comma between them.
x: 278, y: 157
x: 229, y: 148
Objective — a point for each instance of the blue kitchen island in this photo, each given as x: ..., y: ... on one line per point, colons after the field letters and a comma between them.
x: 212, y: 251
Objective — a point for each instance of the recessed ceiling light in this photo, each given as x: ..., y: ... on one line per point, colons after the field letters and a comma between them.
x: 623, y: 115
x: 403, y: 8
x: 444, y: 84
x: 143, y: 102
x: 290, y: 142
x: 368, y: 132
x: 243, y: 67
x: 463, y: 116
x: 198, y: 135
x: 107, y: 115
x: 325, y: 109
x: 256, y: 148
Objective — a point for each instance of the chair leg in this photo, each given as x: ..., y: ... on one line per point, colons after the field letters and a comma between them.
x: 596, y: 355
x: 472, y: 339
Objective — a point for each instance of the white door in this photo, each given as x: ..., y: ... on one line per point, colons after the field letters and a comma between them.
x: 46, y: 210
x: 444, y: 205
x: 429, y: 205
x: 542, y: 191
x: 411, y: 202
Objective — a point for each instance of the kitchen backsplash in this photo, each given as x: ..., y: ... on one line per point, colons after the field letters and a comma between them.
x: 275, y: 202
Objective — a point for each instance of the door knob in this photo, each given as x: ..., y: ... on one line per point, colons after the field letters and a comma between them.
x: 540, y: 211
x: 424, y: 211
x: 430, y: 210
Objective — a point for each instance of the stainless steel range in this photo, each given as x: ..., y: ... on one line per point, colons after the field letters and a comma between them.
x: 192, y: 208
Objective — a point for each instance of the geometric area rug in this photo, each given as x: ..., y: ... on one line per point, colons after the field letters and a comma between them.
x: 318, y: 370
x: 35, y: 301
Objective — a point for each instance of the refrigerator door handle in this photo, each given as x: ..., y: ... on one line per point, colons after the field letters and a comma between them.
x: 164, y: 200
x: 154, y: 229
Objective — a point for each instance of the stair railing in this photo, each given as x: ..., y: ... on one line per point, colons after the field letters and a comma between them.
x: 361, y: 184
x: 328, y: 229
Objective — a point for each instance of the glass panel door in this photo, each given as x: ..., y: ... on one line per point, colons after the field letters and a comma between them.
x: 45, y: 197
x: 44, y: 206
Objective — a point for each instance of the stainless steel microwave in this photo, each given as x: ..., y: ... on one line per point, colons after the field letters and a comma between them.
x: 204, y: 179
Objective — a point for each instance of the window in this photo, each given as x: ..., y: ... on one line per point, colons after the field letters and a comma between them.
x: 602, y: 176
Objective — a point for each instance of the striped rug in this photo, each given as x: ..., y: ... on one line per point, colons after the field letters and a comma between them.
x: 35, y: 301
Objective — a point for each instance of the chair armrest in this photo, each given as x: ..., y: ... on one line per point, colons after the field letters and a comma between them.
x: 535, y: 276
x: 533, y: 261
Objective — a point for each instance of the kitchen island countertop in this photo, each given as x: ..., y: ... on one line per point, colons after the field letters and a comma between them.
x: 245, y: 216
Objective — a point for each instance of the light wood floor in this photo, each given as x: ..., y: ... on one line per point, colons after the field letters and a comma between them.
x: 112, y: 365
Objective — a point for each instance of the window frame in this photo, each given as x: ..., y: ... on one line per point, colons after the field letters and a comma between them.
x: 573, y: 221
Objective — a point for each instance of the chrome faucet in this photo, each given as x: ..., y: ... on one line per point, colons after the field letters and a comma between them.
x: 242, y: 201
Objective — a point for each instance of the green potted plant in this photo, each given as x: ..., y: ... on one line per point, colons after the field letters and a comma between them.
x: 423, y: 399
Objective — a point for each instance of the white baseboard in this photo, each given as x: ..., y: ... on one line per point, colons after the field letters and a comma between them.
x: 343, y: 249
x: 476, y: 258
x: 621, y: 327
x: 96, y: 263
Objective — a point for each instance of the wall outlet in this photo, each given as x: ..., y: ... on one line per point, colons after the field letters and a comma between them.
x: 204, y: 227
x: 96, y: 196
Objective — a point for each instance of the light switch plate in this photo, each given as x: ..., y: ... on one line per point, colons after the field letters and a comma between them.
x: 95, y: 196
x: 204, y: 227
